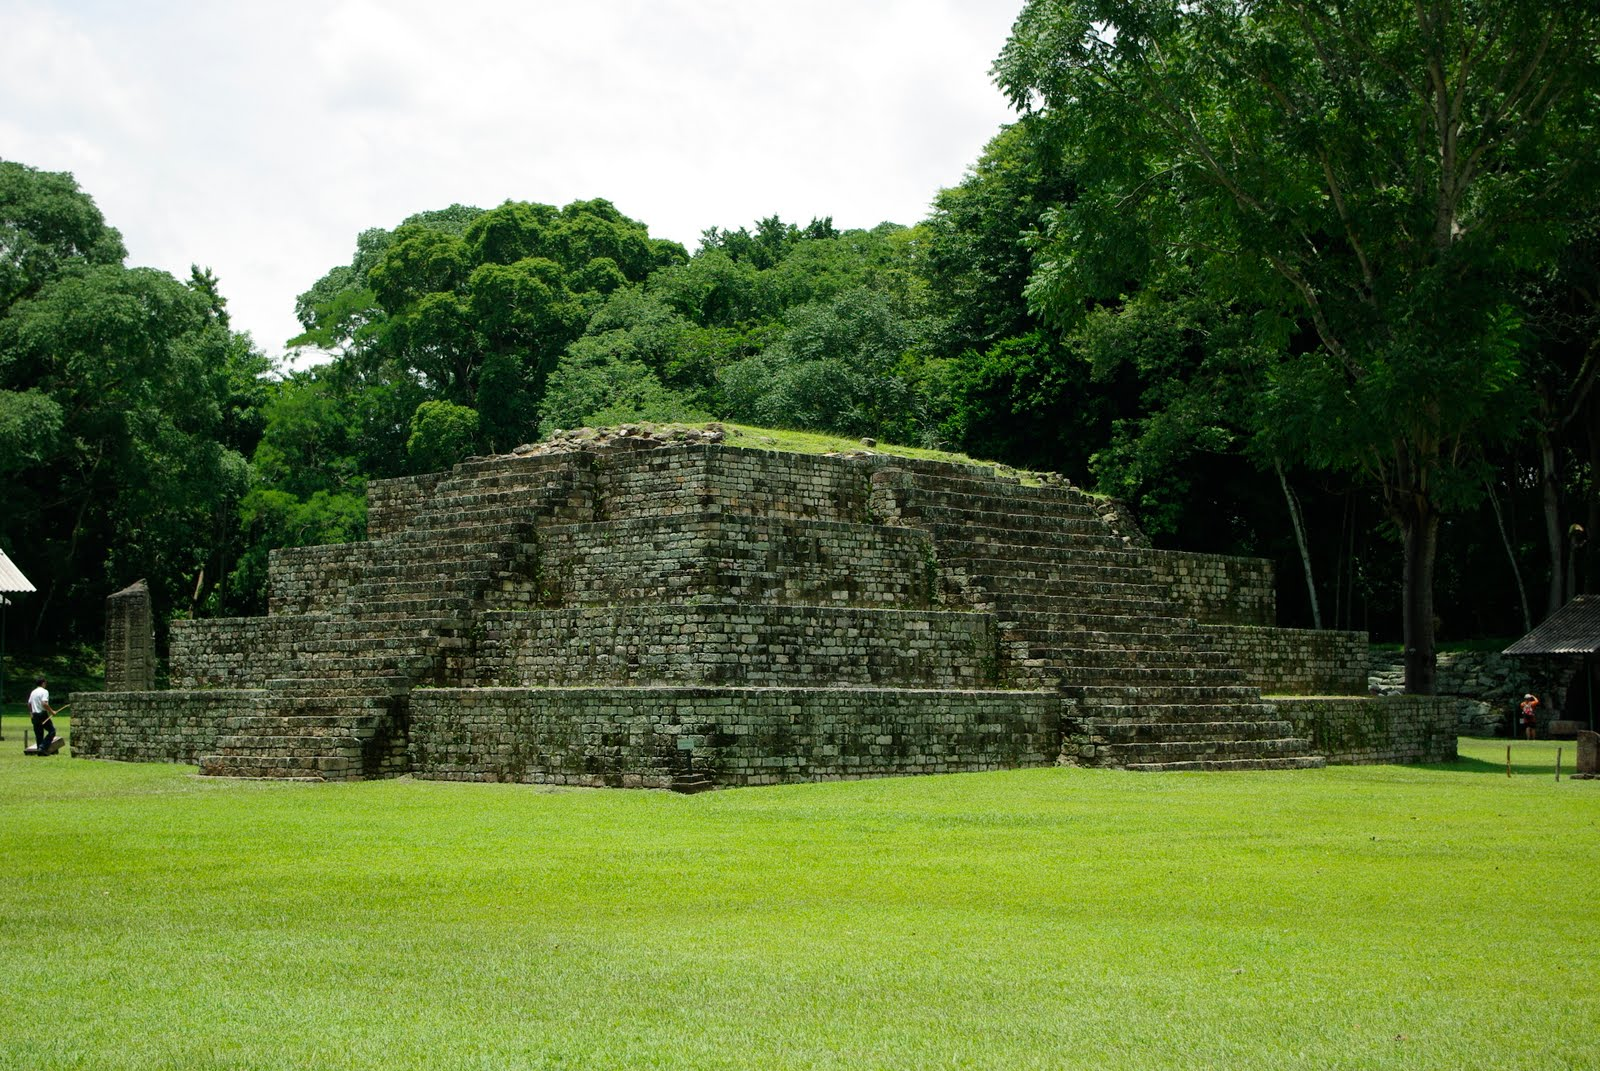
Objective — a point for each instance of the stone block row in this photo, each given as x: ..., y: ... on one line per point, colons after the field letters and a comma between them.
x: 1390, y: 729
x: 1217, y: 589
x: 745, y: 644
x: 748, y: 559
x: 666, y: 737
x: 1284, y: 661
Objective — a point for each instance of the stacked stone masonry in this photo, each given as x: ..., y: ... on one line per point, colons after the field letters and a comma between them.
x: 698, y: 615
x: 1357, y: 731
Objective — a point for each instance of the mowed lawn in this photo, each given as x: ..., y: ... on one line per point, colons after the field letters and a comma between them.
x: 1356, y: 917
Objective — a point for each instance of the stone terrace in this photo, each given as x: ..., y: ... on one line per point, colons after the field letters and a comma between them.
x: 693, y: 615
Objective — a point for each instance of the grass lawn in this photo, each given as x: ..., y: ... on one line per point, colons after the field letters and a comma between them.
x: 1372, y: 917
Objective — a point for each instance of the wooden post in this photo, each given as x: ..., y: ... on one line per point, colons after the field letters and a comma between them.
x: 1558, y: 764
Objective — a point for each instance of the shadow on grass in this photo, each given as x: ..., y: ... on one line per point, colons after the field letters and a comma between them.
x: 1487, y: 755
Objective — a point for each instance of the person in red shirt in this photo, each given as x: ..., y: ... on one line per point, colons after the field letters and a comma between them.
x: 1529, y: 718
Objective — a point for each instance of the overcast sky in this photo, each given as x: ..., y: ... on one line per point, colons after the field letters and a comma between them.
x: 258, y: 139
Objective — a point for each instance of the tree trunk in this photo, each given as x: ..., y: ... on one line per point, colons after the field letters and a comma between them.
x: 1419, y: 527
x: 1591, y: 556
x: 1300, y: 538
x: 1511, y: 555
x: 1552, y: 518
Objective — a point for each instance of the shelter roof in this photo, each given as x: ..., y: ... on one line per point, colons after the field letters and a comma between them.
x: 11, y: 578
x: 1573, y: 629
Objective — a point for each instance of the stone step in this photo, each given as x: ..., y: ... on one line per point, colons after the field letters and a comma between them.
x: 1064, y: 577
x: 981, y: 495
x: 283, y: 767
x: 1107, y: 714
x: 1007, y: 605
x: 1148, y: 675
x: 1147, y: 732
x: 1109, y: 695
x: 1200, y: 749
x: 1070, y: 536
x: 1119, y: 658
x: 401, y: 608
x: 1022, y: 526
x: 1093, y: 621
x: 399, y: 642
x: 380, y: 591
x: 1066, y: 553
x: 1161, y: 635
x: 391, y: 560
x: 1299, y: 762
x: 333, y: 685
x: 492, y: 526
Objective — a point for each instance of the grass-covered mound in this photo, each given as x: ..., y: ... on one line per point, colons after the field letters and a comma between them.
x: 787, y: 441
x: 1349, y: 917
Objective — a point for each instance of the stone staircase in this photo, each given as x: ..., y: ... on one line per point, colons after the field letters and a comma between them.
x: 402, y: 621
x: 1079, y: 609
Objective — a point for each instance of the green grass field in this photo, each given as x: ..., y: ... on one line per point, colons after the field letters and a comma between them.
x: 1377, y: 917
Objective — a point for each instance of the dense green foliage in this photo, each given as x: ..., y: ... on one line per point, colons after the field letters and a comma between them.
x: 1232, y: 264
x: 1349, y: 193
x: 127, y: 411
x: 1356, y: 917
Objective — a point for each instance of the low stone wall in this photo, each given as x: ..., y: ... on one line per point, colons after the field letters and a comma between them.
x: 231, y: 652
x: 392, y: 503
x: 744, y: 559
x: 746, y: 645
x: 1294, y: 661
x: 175, y: 726
x: 652, y: 737
x: 1217, y: 589
x: 1494, y: 680
x: 303, y: 580
x: 1370, y: 730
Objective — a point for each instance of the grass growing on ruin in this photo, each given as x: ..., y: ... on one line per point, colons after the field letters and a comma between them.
x: 788, y: 441
x: 1351, y: 918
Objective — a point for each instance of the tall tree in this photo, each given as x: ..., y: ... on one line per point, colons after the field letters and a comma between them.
x: 126, y: 404
x: 1373, y: 170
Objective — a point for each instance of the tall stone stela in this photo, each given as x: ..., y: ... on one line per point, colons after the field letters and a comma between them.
x: 130, y: 640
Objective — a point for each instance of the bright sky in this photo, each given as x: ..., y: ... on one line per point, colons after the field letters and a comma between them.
x: 258, y: 139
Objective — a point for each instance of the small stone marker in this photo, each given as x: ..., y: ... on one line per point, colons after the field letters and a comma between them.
x: 1588, y: 755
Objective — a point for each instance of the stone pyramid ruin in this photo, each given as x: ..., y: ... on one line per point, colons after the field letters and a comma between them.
x: 690, y: 614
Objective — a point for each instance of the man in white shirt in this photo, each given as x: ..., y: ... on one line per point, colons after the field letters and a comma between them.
x: 43, y: 717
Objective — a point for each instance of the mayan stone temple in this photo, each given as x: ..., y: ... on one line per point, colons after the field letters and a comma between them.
x: 638, y: 611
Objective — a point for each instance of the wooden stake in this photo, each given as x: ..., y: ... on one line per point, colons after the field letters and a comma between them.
x: 1558, y: 764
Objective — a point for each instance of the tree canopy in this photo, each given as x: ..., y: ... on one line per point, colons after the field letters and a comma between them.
x: 1361, y: 180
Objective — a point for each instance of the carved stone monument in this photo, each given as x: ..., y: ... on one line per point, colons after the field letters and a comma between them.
x: 130, y: 640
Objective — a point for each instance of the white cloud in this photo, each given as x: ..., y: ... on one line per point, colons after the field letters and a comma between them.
x: 259, y: 140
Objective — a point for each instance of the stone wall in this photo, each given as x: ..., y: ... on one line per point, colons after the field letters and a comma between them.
x: 733, y: 482
x: 1495, y: 681
x: 308, y: 580
x: 1218, y: 589
x: 1294, y: 661
x: 654, y: 737
x: 740, y: 558
x: 174, y: 726
x: 234, y: 652
x: 750, y: 645
x: 1369, y: 730
x: 392, y: 503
